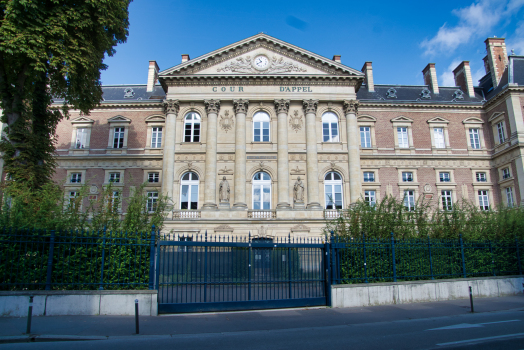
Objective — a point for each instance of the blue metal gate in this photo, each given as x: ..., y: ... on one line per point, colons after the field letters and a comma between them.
x: 197, y: 274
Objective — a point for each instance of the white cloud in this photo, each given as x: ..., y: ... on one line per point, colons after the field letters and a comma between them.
x: 516, y: 41
x: 476, y: 20
x: 447, y: 78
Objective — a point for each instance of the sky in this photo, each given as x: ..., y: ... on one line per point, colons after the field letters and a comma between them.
x: 399, y: 37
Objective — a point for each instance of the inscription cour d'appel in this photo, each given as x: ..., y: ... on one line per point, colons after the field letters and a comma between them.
x: 280, y: 89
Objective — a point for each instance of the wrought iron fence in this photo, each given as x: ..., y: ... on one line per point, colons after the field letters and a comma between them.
x: 40, y: 259
x: 391, y: 260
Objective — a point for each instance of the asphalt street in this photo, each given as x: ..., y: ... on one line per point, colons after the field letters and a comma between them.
x: 498, y: 324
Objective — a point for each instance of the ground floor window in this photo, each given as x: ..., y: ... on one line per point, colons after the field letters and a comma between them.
x: 409, y: 199
x: 483, y: 200
x: 447, y: 200
x: 370, y: 197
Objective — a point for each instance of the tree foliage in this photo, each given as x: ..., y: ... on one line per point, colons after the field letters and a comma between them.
x: 51, y: 50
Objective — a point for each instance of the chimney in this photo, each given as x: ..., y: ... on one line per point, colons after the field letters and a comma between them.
x: 185, y: 58
x: 367, y: 69
x: 430, y: 77
x: 497, y: 58
x: 152, y: 75
x: 336, y: 58
x: 463, y: 78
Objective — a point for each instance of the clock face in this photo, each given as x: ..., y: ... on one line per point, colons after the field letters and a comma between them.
x: 261, y: 62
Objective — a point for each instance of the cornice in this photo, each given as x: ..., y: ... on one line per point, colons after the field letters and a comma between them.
x: 364, y: 104
x: 116, y: 104
x: 502, y: 95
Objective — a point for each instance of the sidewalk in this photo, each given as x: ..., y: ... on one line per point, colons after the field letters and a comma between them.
x: 101, y: 327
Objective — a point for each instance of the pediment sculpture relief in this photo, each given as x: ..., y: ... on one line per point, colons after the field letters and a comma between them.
x: 248, y: 65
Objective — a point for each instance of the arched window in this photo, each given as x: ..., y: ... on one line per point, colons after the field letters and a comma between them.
x: 330, y: 127
x: 192, y: 127
x: 333, y: 190
x: 189, y: 191
x: 261, y: 191
x: 261, y: 127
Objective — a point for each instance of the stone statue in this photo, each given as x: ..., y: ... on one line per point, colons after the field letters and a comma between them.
x: 298, y: 191
x: 224, y: 190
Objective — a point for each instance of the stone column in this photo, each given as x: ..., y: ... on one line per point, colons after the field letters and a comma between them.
x: 240, y: 107
x: 210, y: 191
x: 282, y: 108
x: 310, y: 109
x: 355, y: 184
x: 171, y: 108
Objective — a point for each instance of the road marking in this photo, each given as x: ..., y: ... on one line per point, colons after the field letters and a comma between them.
x: 469, y: 325
x: 482, y: 339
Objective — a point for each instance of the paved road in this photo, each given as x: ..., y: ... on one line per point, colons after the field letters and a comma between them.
x: 443, y: 325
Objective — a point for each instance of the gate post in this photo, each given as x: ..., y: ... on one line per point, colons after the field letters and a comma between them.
x: 152, y: 259
x: 327, y: 266
x: 249, y: 269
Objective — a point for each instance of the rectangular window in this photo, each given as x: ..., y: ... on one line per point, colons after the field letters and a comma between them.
x: 438, y: 135
x: 156, y: 137
x: 114, y: 177
x: 403, y: 137
x: 114, y: 201
x: 500, y: 131
x: 76, y: 178
x: 365, y: 137
x: 81, y: 138
x: 505, y: 173
x: 481, y: 177
x: 447, y: 200
x: 509, y: 196
x: 72, y: 199
x: 152, y: 199
x: 369, y: 176
x: 118, y: 138
x: 474, y: 138
x: 407, y: 176
x: 261, y: 131
x: 370, y: 198
x: 483, y: 200
x: 409, y: 200
x: 153, y: 177
x: 444, y: 177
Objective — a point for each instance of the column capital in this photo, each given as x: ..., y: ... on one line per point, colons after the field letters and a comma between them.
x: 351, y: 106
x: 310, y: 106
x: 240, y: 106
x: 212, y: 106
x: 282, y: 106
x: 171, y: 106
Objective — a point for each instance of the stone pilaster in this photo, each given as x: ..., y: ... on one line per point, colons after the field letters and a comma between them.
x: 171, y: 108
x: 240, y: 107
x: 355, y: 184
x: 212, y: 108
x: 282, y: 109
x: 310, y: 110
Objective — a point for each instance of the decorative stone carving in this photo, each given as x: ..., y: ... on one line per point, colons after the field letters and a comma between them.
x: 295, y: 121
x: 225, y: 171
x: 223, y: 190
x: 212, y: 106
x: 129, y: 93
x: 391, y: 93
x: 224, y: 228
x: 428, y: 188
x: 351, y: 106
x: 298, y: 171
x: 282, y: 106
x: 246, y: 65
x: 310, y: 106
x: 298, y: 191
x: 425, y: 94
x: 300, y: 228
x: 93, y: 189
x: 458, y: 95
x: 189, y: 166
x: 171, y: 106
x: 240, y: 106
x: 227, y: 122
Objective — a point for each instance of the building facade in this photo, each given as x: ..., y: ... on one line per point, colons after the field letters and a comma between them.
x: 265, y: 137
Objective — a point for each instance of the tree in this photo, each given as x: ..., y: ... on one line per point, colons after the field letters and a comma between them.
x: 51, y: 50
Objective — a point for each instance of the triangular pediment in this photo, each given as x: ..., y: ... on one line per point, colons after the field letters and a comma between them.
x: 82, y: 120
x: 119, y: 119
x: 438, y: 120
x: 473, y: 120
x: 260, y: 55
x: 155, y: 119
x: 402, y: 119
x: 366, y: 118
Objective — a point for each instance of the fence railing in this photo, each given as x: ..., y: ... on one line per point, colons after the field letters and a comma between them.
x: 391, y: 260
x: 261, y: 214
x: 39, y: 259
x: 186, y: 214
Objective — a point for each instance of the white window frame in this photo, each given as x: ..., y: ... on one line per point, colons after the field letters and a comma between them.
x: 76, y: 178
x: 367, y: 121
x: 483, y: 199
x: 501, y: 132
x: 68, y: 182
x: 438, y: 136
x: 505, y: 173
x: 474, y: 123
x: 154, y: 121
x: 509, y: 197
x: 499, y: 128
x: 71, y: 197
x: 81, y: 123
x: 403, y: 137
x: 444, y: 177
x: 190, y: 183
x: 258, y: 118
x: 440, y: 144
x: 263, y: 184
x: 477, y: 177
x: 331, y: 119
x: 369, y: 179
x: 333, y: 184
x: 153, y: 175
x: 370, y: 197
x: 365, y: 137
x: 107, y: 177
x: 152, y: 201
x: 474, y: 138
x: 446, y: 199
x: 403, y: 122
x: 115, y: 193
x: 407, y: 176
x: 409, y: 199
x: 114, y: 177
x: 116, y: 123
x: 157, y: 136
x: 189, y: 135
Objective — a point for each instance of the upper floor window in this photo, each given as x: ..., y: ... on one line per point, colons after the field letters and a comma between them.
x: 261, y: 127
x: 481, y: 177
x: 500, y: 132
x: 365, y: 137
x: 369, y: 176
x: 81, y: 138
x: 118, y: 137
x: 114, y: 177
x: 333, y: 190
x: 474, y: 138
x: 76, y: 178
x: 438, y: 134
x: 407, y: 176
x: 189, y: 191
x: 505, y: 173
x: 156, y: 137
x: 330, y: 127
x: 192, y: 127
x: 444, y: 177
x: 261, y: 191
x: 153, y: 177
x: 402, y: 133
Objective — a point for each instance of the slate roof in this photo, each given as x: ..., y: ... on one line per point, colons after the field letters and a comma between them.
x: 131, y: 92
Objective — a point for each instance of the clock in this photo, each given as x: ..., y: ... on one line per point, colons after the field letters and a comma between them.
x: 261, y: 62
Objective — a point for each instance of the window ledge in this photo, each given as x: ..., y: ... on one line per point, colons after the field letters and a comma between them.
x: 503, y: 181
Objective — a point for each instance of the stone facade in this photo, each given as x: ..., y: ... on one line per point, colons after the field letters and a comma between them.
x: 263, y: 105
